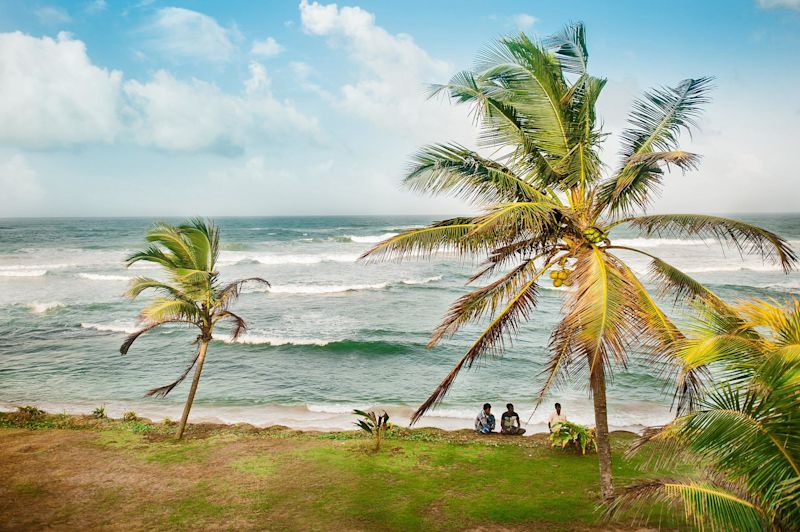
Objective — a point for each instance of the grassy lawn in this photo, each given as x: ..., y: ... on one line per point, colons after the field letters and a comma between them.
x: 67, y: 472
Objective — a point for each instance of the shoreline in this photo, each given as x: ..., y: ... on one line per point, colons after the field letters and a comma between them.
x: 303, y: 417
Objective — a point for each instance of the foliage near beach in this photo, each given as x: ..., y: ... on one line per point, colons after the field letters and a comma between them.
x: 70, y: 472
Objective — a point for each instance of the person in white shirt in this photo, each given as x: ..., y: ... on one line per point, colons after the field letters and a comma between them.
x: 556, y: 419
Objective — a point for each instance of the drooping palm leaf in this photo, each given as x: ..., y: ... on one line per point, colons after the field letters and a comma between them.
x: 742, y: 236
x: 655, y: 125
x: 453, y: 169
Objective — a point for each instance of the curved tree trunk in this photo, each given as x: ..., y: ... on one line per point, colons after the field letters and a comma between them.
x: 201, y: 357
x: 598, y: 383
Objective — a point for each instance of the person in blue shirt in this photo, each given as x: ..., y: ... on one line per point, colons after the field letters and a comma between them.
x: 484, y: 423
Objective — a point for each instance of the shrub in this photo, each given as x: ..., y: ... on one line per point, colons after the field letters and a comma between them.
x: 29, y: 412
x: 581, y: 437
x: 99, y: 412
x: 130, y: 416
x: 373, y: 424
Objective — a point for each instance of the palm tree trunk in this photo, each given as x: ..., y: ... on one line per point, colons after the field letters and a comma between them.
x: 201, y: 357
x: 598, y: 384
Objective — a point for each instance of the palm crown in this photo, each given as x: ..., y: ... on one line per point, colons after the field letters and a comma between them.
x: 192, y: 294
x: 745, y: 434
x: 547, y: 203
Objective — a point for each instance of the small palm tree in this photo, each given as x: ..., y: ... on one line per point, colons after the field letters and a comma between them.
x: 745, y: 435
x: 191, y: 295
x: 548, y: 205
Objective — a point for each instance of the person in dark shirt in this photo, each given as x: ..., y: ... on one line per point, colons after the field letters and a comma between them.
x: 509, y: 422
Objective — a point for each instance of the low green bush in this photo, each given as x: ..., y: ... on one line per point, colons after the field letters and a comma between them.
x: 580, y: 437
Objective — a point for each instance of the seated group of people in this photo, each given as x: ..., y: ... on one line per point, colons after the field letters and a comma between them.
x: 509, y: 421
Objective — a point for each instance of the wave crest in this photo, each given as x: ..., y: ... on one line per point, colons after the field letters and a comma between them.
x: 22, y: 273
x: 103, y: 277
x: 41, y: 308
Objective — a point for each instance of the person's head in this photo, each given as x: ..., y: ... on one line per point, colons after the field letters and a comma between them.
x: 487, y: 408
x: 558, y: 408
x: 510, y: 407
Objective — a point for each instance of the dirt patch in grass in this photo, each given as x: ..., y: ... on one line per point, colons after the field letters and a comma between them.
x: 134, y: 476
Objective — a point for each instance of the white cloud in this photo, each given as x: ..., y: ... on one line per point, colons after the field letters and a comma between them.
x: 269, y: 47
x: 524, y: 21
x: 258, y: 80
x: 52, y: 93
x: 770, y: 4
x: 185, y: 34
x: 195, y: 115
x: 53, y: 96
x: 394, y: 70
x: 51, y: 15
x: 19, y: 185
x: 96, y: 6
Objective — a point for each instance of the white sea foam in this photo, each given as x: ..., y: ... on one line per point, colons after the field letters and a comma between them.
x: 336, y: 408
x: 41, y: 308
x: 257, y: 339
x: 733, y: 268
x: 233, y: 257
x: 425, y: 280
x: 26, y: 267
x: 371, y: 239
x: 127, y: 328
x: 22, y: 273
x: 658, y: 242
x: 323, y: 289
x: 103, y: 277
x: 334, y: 288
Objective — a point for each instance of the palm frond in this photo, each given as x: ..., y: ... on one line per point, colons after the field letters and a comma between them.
x: 131, y: 338
x: 528, y: 78
x: 231, y: 291
x: 162, y: 391
x: 502, y: 327
x: 600, y: 319
x: 655, y: 125
x: 704, y: 504
x: 569, y: 48
x: 660, y: 338
x: 239, y: 325
x: 454, y: 169
x: 447, y: 236
x: 162, y: 309
x: 474, y: 305
x: 746, y: 238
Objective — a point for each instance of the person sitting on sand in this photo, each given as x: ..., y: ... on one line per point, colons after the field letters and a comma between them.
x: 484, y: 423
x: 509, y: 422
x: 556, y: 419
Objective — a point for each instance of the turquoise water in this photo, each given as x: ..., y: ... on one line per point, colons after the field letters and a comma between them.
x: 333, y: 333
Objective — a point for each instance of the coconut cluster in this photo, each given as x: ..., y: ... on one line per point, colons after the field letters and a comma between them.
x: 561, y: 277
x: 594, y: 235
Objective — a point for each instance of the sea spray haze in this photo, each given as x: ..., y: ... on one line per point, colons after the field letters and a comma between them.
x: 192, y: 294
x: 547, y: 204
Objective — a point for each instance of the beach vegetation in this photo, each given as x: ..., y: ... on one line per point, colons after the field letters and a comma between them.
x: 193, y: 294
x: 744, y: 434
x: 99, y: 412
x: 297, y: 480
x: 574, y: 435
x: 376, y: 425
x: 30, y: 412
x: 546, y: 201
x: 130, y: 416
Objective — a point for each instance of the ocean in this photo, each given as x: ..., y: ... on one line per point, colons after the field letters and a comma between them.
x: 332, y: 334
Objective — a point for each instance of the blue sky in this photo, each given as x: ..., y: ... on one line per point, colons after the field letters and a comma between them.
x: 261, y: 108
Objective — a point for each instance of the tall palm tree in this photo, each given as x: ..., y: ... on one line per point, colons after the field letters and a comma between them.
x: 745, y: 434
x: 547, y: 203
x: 191, y: 295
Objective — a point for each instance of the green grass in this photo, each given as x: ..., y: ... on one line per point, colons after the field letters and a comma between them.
x: 243, y: 478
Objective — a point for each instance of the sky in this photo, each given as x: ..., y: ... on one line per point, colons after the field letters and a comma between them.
x: 161, y: 108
